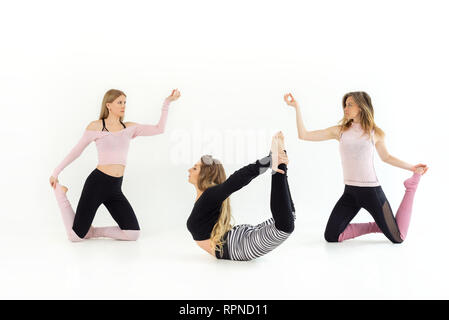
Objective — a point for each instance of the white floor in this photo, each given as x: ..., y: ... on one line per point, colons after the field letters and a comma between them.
x: 161, y: 265
x: 231, y: 103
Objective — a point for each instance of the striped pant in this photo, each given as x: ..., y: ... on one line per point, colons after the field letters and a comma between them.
x: 246, y: 242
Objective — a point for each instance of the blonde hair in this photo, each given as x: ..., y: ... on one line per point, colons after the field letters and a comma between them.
x: 212, y: 173
x: 109, y: 97
x: 363, y: 100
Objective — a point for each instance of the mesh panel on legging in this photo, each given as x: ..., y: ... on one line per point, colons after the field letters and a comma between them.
x: 390, y: 222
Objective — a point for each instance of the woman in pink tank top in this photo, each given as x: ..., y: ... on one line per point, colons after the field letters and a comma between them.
x: 103, y: 185
x: 358, y: 136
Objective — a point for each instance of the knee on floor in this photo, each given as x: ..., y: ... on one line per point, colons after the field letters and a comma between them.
x: 330, y: 236
x: 73, y: 237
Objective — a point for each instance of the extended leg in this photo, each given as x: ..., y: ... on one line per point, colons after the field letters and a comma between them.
x: 404, y: 213
x: 68, y: 215
x: 281, y: 203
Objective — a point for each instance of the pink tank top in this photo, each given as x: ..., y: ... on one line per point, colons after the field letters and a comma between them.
x: 357, y: 157
x: 112, y: 147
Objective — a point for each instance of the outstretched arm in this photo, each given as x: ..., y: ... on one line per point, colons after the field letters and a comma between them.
x: 316, y: 135
x: 239, y: 179
x: 88, y: 137
x: 388, y: 158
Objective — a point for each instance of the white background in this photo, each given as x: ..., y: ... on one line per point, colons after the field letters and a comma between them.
x: 232, y: 62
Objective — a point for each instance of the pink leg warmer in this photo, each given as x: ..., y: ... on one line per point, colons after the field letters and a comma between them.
x: 68, y: 215
x: 404, y: 212
x: 354, y: 230
x: 115, y: 233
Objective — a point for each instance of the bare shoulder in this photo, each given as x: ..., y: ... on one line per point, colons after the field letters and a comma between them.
x: 130, y: 124
x: 95, y: 125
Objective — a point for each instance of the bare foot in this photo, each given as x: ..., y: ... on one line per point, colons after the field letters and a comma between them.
x: 275, y: 145
x: 282, y: 154
x: 281, y: 143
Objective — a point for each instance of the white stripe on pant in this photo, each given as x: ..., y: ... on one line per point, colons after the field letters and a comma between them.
x: 246, y: 242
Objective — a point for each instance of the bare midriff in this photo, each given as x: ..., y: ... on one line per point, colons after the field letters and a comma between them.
x: 115, y: 170
x: 206, y: 245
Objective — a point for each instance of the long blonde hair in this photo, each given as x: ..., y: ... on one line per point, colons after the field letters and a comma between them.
x: 109, y: 97
x: 212, y: 173
x: 363, y: 100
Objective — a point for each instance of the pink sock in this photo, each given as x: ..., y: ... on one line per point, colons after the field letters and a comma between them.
x: 115, y: 233
x: 68, y: 215
x: 354, y: 230
x: 404, y: 212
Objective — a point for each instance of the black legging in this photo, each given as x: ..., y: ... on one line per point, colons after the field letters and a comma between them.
x: 281, y: 203
x: 353, y: 199
x: 247, y: 242
x: 101, y: 188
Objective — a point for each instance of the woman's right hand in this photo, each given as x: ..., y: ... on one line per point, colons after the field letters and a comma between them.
x: 175, y: 94
x: 288, y: 98
x: 53, y: 181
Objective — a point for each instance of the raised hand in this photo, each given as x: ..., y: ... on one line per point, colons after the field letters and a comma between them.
x: 175, y: 94
x: 278, y: 155
x: 288, y: 98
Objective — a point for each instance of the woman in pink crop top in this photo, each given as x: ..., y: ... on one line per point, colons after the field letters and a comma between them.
x: 103, y: 185
x: 358, y: 136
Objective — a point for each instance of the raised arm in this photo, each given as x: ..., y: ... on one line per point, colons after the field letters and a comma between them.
x: 386, y: 157
x: 151, y: 129
x: 316, y: 135
x: 154, y: 129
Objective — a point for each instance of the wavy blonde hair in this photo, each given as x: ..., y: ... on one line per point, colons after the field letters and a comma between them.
x: 211, y: 174
x: 363, y: 100
x: 109, y: 97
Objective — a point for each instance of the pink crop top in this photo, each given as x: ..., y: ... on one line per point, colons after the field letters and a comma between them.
x: 357, y: 157
x: 113, y: 147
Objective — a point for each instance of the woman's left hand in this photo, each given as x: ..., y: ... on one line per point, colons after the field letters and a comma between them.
x: 175, y: 94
